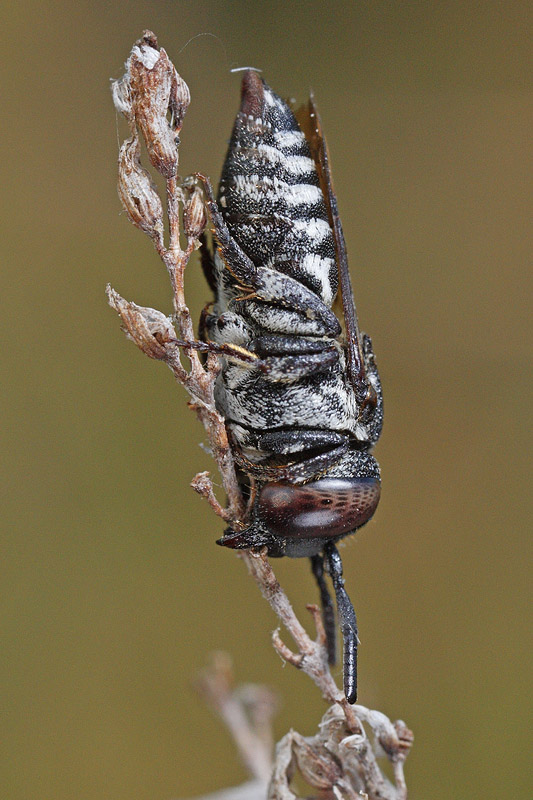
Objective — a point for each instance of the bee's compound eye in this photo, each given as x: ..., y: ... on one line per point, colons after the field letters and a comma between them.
x: 329, y: 507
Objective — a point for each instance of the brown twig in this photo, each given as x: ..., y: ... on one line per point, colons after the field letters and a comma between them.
x: 339, y: 760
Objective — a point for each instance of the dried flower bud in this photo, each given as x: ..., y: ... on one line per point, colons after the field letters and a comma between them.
x: 405, y: 738
x: 194, y: 214
x: 148, y: 328
x: 319, y: 767
x: 156, y: 88
x: 138, y: 194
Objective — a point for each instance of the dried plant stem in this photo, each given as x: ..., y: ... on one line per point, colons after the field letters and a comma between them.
x: 247, y: 712
x: 340, y: 759
x: 311, y: 657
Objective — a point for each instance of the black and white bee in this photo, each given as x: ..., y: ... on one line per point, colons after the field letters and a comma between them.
x: 299, y: 388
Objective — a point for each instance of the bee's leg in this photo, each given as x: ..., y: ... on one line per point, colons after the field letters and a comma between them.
x: 208, y: 264
x: 328, y: 612
x: 292, y: 368
x: 286, y: 442
x: 348, y: 622
x: 233, y: 351
x: 280, y: 358
x: 288, y: 358
x: 280, y: 368
x: 205, y: 321
x: 289, y: 345
x: 233, y: 256
x: 265, y: 283
x: 297, y: 472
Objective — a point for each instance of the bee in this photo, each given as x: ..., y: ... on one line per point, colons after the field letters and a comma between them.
x: 299, y: 388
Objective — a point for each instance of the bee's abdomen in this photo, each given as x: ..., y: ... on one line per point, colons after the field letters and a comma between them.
x: 270, y: 194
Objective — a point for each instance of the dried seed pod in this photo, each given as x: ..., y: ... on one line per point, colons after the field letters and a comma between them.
x: 148, y: 328
x: 137, y: 192
x: 194, y: 214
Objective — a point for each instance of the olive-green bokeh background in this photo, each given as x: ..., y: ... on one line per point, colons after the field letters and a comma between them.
x: 114, y: 592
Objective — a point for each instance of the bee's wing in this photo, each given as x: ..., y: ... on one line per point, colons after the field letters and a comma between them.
x: 311, y: 126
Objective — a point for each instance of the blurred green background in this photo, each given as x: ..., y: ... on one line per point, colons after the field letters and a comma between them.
x: 113, y: 590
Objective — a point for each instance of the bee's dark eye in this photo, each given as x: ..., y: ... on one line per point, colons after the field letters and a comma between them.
x: 326, y: 508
